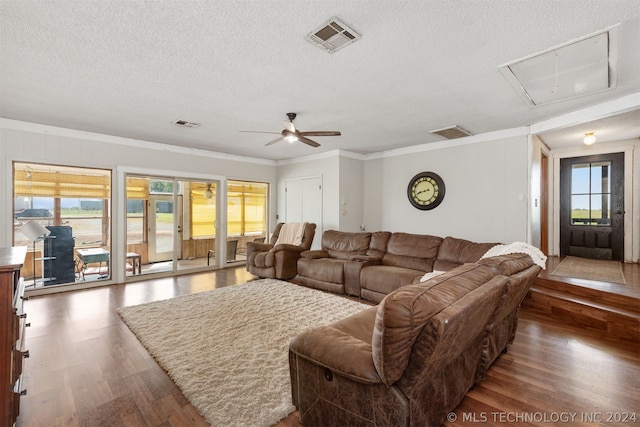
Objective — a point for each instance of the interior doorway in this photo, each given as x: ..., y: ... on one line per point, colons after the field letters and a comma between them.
x: 592, y: 206
x: 544, y: 204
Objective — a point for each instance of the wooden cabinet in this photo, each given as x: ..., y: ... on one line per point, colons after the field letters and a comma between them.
x: 13, y: 322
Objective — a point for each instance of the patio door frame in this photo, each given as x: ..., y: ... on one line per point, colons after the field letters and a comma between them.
x: 120, y: 229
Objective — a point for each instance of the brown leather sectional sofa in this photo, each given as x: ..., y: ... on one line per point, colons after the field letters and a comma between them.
x: 410, y: 360
x: 371, y: 265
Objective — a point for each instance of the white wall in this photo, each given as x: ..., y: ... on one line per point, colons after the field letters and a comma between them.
x: 20, y: 141
x: 351, y: 194
x: 487, y: 191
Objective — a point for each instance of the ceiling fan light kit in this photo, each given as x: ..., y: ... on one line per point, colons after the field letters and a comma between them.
x: 291, y: 134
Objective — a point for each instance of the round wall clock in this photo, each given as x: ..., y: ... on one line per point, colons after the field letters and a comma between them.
x: 426, y: 190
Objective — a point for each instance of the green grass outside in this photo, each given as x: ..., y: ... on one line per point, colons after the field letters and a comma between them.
x: 584, y: 213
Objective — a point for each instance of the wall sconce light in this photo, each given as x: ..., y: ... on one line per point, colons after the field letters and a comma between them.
x: 589, y: 138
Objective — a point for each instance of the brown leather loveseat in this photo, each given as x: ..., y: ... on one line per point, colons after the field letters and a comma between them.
x: 410, y: 360
x: 371, y: 265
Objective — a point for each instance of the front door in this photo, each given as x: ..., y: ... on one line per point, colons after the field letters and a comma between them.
x: 592, y: 206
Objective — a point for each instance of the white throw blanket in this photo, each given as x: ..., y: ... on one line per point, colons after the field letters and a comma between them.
x: 518, y: 248
x: 431, y: 274
x: 291, y: 233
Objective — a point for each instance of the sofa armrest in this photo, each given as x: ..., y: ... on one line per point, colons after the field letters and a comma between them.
x: 289, y: 248
x: 370, y: 260
x: 258, y: 247
x: 352, y: 270
x: 317, y: 254
x: 338, y: 351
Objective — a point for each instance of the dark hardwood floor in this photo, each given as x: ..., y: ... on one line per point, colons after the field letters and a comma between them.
x: 87, y: 369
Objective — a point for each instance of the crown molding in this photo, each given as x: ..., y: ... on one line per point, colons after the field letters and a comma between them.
x: 326, y: 155
x: 589, y: 114
x: 473, y: 139
x: 111, y: 139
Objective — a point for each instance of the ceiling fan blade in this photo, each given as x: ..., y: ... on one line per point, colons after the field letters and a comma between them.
x: 274, y: 141
x: 307, y: 141
x: 257, y: 131
x: 320, y: 133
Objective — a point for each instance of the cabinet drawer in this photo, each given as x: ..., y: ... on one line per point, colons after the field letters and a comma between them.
x: 15, y: 407
x: 16, y: 371
x: 15, y: 327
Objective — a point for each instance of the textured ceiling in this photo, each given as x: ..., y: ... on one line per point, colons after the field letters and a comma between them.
x: 131, y: 68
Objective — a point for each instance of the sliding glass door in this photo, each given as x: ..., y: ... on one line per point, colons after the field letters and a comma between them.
x: 172, y: 224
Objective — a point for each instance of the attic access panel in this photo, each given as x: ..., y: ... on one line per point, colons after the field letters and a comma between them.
x: 575, y: 69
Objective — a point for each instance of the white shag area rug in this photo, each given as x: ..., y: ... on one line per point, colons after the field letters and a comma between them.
x: 227, y: 349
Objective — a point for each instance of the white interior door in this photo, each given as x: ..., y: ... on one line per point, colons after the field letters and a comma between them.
x: 293, y: 200
x: 303, y: 203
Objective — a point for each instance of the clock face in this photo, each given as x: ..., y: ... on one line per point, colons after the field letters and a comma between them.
x: 426, y: 190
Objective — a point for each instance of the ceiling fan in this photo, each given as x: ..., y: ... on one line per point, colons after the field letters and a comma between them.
x: 291, y: 134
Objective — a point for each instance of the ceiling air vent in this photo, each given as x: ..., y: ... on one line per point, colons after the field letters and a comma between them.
x: 186, y: 123
x: 333, y: 35
x: 452, y: 132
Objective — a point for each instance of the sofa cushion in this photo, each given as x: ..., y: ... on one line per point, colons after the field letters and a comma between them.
x: 264, y: 259
x: 454, y: 252
x: 402, y: 314
x: 378, y: 244
x: 343, y: 245
x: 386, y: 278
x: 414, y: 251
x: 322, y: 269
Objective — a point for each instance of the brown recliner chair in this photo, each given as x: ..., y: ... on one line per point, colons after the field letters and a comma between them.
x: 268, y: 260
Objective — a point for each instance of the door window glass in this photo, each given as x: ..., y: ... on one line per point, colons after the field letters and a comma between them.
x: 246, y: 215
x: 591, y: 194
x: 203, y: 209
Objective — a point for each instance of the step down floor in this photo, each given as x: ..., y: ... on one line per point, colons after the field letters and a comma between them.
x: 593, y: 305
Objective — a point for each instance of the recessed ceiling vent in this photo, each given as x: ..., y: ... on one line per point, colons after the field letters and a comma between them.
x: 186, y: 123
x: 452, y: 132
x: 333, y: 35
